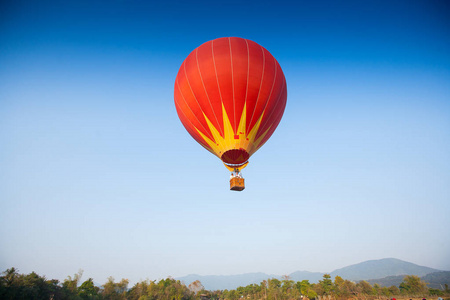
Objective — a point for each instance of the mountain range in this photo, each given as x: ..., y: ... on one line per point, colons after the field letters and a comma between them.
x: 368, y: 270
x: 435, y: 280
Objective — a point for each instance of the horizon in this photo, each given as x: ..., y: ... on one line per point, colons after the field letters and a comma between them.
x: 269, y: 276
x: 309, y: 271
x: 98, y: 173
x: 131, y: 283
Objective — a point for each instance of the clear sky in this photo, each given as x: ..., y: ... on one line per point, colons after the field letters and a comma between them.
x: 97, y: 172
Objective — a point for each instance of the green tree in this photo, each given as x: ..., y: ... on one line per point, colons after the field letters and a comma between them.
x: 253, y: 291
x: 115, y: 290
x: 10, y: 284
x: 305, y: 289
x: 215, y: 295
x: 274, y: 289
x: 232, y: 295
x: 343, y: 288
x: 70, y: 286
x: 165, y: 289
x: 435, y: 292
x: 139, y: 291
x: 32, y: 286
x: 88, y: 290
x: 35, y: 287
x: 393, y: 290
x: 376, y: 290
x: 414, y: 286
x: 339, y: 286
x: 264, y: 285
x: 287, y: 289
x: 364, y: 288
x: 10, y: 277
x: 351, y: 287
x: 385, y: 291
x: 326, y: 284
x: 55, y: 289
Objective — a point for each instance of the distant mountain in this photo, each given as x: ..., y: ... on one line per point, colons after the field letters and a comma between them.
x: 436, y: 280
x: 381, y: 268
x: 226, y: 282
x: 372, y: 269
x: 222, y: 282
x: 305, y: 275
x: 387, y: 281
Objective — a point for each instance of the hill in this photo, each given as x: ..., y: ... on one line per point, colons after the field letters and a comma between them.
x: 387, y: 281
x: 306, y: 275
x: 381, y: 268
x: 436, y: 280
x: 228, y: 282
x: 388, y: 269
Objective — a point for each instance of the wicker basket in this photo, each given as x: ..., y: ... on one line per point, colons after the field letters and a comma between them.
x: 237, y: 184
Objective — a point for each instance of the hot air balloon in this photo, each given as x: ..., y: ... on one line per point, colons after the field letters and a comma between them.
x: 230, y: 94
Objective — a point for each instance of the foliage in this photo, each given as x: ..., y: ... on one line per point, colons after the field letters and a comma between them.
x: 364, y: 288
x: 168, y: 289
x: 115, y: 290
x: 306, y: 289
x: 414, y: 286
x: 326, y: 284
x: 32, y: 286
x: 88, y: 290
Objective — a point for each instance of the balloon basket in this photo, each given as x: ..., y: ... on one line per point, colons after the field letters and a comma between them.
x: 237, y: 184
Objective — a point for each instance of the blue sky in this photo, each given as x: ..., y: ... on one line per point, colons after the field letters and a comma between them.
x: 97, y: 172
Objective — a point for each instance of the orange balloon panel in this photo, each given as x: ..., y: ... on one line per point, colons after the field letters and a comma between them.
x: 230, y: 95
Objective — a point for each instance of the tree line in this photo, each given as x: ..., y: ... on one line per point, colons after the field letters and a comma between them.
x: 33, y: 286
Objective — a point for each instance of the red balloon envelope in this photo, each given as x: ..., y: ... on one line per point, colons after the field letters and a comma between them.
x: 230, y: 95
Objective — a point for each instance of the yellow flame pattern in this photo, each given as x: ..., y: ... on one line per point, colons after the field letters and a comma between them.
x: 246, y: 140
